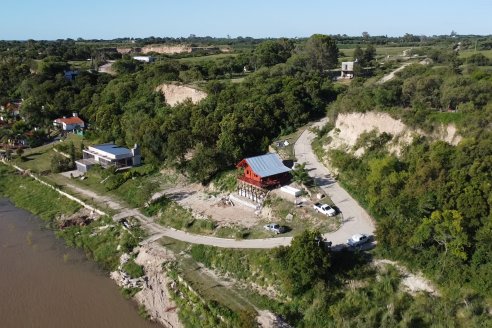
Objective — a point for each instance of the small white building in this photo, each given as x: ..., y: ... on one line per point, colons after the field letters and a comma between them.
x: 348, y: 69
x: 145, y: 59
x: 69, y: 123
x: 107, y: 155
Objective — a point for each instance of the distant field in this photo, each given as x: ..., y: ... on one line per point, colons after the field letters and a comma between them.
x: 469, y: 52
x: 80, y: 64
x: 380, y: 51
x: 206, y: 58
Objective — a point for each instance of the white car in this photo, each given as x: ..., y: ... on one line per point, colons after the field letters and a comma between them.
x: 358, y: 239
x: 274, y: 227
x: 324, y: 209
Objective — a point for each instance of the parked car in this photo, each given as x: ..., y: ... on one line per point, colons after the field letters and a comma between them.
x: 357, y: 239
x: 324, y: 209
x: 276, y: 228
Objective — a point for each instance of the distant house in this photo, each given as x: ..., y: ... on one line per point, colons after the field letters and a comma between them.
x: 69, y: 123
x: 10, y: 110
x: 145, y: 59
x: 264, y: 171
x: 70, y: 75
x: 348, y: 69
x: 107, y: 155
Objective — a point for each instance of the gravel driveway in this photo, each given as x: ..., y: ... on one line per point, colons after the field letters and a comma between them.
x: 355, y: 218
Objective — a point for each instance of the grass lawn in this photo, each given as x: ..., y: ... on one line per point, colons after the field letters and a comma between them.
x: 207, y: 58
x: 469, y: 52
x: 38, y: 160
x: 380, y: 51
x: 80, y: 64
x: 447, y: 117
x: 29, y: 194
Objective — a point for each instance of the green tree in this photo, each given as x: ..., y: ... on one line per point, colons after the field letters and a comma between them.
x: 271, y: 52
x: 71, y: 153
x: 358, y: 54
x: 19, y: 152
x: 300, y: 174
x: 446, y: 229
x: 321, y: 52
x: 369, y: 54
x: 306, y: 262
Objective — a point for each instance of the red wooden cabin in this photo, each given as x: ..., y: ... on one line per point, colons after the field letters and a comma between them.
x: 265, y: 171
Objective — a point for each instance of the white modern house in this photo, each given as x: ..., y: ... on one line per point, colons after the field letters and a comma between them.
x: 348, y: 69
x: 69, y: 123
x: 107, y: 155
x: 145, y: 59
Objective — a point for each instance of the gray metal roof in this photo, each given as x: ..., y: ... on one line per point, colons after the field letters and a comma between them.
x: 267, y: 165
x: 111, y: 148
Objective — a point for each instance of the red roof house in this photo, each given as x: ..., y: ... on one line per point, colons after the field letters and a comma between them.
x: 69, y: 123
x: 264, y: 171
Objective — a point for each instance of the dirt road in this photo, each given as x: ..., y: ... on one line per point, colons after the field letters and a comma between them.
x: 391, y: 75
x: 355, y: 218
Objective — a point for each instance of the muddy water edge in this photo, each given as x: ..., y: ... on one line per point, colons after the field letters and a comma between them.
x: 45, y: 284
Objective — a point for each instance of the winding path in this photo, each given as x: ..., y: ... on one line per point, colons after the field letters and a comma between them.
x: 355, y: 218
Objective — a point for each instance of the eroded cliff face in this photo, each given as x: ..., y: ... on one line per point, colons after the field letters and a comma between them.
x: 154, y: 294
x: 175, y: 94
x: 349, y: 127
x: 162, y: 49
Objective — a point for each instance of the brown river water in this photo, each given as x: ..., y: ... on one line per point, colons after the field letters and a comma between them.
x: 45, y: 284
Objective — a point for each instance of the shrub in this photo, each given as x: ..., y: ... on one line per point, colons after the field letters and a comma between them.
x: 133, y: 269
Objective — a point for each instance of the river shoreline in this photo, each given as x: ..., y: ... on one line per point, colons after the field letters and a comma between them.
x: 47, y: 203
x: 45, y: 283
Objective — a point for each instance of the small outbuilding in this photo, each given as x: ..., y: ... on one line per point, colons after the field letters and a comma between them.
x: 348, y: 69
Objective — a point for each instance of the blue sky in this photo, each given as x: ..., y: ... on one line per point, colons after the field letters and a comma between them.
x: 105, y: 19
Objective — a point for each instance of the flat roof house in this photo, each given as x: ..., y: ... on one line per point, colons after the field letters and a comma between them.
x: 348, y: 69
x: 107, y: 155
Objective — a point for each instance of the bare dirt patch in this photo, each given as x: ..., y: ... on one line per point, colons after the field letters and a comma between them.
x: 175, y: 94
x: 204, y: 205
x: 413, y: 283
x: 154, y: 294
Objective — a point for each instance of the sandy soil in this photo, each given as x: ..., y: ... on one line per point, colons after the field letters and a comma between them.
x: 175, y: 94
x: 349, y: 127
x: 162, y: 49
x: 154, y: 294
x: 413, y: 283
x: 204, y: 205
x: 107, y: 68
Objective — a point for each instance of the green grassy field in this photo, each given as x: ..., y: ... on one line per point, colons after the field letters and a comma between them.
x: 80, y: 64
x: 38, y: 159
x: 469, y: 52
x: 206, y: 58
x: 31, y: 195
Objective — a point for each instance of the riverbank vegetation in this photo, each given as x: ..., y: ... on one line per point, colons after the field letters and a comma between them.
x: 27, y: 193
x: 308, y: 286
x: 432, y: 203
